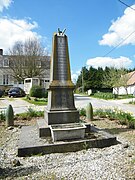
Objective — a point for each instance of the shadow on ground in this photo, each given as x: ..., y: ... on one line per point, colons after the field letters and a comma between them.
x: 117, y: 130
x: 17, y: 171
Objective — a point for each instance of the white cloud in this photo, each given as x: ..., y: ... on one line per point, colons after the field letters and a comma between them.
x: 121, y: 29
x: 12, y: 30
x: 4, y: 4
x: 74, y: 75
x: 110, y: 62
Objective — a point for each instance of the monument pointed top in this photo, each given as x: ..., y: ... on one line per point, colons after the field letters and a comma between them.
x: 61, y: 33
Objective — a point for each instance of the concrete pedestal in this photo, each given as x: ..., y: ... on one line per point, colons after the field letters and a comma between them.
x: 61, y: 117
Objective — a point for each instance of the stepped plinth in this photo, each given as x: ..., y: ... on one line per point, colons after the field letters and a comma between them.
x: 60, y: 130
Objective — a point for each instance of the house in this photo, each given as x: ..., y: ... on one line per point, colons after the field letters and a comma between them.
x: 129, y: 86
x: 7, y: 79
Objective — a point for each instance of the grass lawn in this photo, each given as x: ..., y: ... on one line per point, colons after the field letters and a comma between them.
x: 36, y: 101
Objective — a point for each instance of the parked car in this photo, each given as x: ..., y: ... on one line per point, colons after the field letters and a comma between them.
x: 16, y: 92
x: 1, y: 93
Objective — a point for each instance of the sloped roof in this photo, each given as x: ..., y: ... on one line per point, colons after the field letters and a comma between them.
x: 131, y: 79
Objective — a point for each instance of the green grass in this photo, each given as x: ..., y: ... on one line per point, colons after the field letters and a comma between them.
x: 29, y: 114
x: 2, y: 115
x: 107, y: 95
x: 126, y: 96
x: 124, y: 118
x: 132, y: 102
x: 82, y: 112
x: 102, y: 95
x: 36, y: 101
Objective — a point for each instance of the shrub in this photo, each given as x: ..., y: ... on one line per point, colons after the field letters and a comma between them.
x: 38, y: 92
x: 103, y: 95
x: 132, y: 102
x: 82, y: 112
x: 2, y: 116
x: 30, y: 113
x: 125, y: 118
x: 131, y: 123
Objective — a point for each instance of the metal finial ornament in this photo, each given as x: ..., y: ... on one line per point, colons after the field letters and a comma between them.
x: 61, y: 32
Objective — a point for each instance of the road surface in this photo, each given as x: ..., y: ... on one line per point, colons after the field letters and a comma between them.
x: 82, y: 101
x: 20, y: 105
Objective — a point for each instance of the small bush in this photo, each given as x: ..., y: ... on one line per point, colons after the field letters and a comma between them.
x: 38, y: 92
x: 131, y: 102
x: 125, y: 118
x: 82, y: 112
x: 131, y: 123
x: 103, y: 95
x: 30, y: 113
x: 2, y: 116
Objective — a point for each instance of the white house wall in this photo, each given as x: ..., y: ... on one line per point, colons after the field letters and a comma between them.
x: 122, y: 90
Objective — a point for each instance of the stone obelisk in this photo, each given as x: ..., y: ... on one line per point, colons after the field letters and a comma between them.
x: 61, y: 108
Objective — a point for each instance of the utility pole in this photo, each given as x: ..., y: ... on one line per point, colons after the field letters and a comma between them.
x: 82, y: 82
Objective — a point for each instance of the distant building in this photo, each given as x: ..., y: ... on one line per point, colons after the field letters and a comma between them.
x: 130, y: 85
x: 6, y: 73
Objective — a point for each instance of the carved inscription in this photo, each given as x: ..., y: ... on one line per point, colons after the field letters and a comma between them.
x: 61, y: 58
x: 63, y: 99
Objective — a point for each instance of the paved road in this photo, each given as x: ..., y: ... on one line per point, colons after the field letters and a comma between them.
x: 20, y: 105
x: 82, y: 101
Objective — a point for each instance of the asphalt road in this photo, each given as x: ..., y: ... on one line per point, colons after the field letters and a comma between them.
x: 20, y: 105
x: 82, y: 101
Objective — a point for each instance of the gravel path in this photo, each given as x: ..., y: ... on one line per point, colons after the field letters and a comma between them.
x: 111, y: 163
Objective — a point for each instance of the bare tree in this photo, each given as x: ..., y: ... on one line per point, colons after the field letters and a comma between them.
x: 28, y: 59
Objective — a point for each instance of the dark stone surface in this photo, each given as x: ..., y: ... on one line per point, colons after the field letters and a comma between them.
x: 30, y: 143
x: 61, y: 117
x: 61, y: 99
x: 61, y: 108
x: 44, y: 130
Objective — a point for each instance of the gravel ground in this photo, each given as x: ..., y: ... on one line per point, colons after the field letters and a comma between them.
x: 111, y: 163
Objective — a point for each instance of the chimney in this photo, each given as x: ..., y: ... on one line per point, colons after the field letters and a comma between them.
x: 1, y: 52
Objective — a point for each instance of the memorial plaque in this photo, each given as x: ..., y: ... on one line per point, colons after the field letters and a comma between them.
x: 61, y: 108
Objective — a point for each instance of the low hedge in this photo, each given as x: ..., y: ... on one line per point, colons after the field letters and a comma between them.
x: 38, y: 92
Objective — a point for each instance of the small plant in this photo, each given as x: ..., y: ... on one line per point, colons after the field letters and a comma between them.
x: 30, y: 113
x: 2, y: 116
x: 131, y: 102
x: 37, y: 101
x: 82, y: 112
x: 85, y: 146
x: 125, y: 118
x: 103, y: 95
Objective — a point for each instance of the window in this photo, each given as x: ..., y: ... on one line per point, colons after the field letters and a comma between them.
x: 38, y: 63
x: 5, y: 62
x: 6, y: 79
x: 1, y: 77
x: 28, y: 81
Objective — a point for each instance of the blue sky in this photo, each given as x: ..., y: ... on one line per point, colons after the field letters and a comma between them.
x: 94, y: 27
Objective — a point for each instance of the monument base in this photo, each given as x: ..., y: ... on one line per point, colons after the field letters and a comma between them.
x: 31, y: 144
x: 61, y: 117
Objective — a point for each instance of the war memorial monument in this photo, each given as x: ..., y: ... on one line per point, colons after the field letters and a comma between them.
x: 61, y: 129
